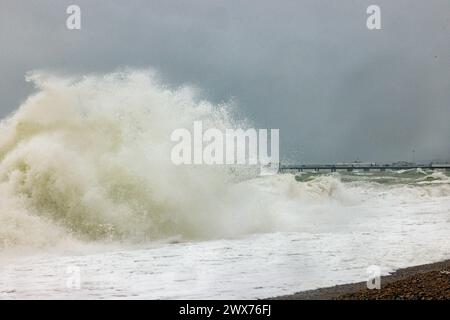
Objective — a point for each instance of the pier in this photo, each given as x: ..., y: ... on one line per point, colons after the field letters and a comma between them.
x: 352, y: 167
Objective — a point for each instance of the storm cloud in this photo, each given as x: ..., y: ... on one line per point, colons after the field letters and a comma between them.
x: 336, y: 90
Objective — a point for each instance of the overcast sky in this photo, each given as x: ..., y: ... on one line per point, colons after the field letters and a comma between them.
x: 336, y: 90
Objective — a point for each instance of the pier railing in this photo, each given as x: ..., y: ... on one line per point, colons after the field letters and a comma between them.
x: 350, y: 167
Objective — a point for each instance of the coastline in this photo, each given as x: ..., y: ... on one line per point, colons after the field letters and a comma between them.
x: 422, y: 282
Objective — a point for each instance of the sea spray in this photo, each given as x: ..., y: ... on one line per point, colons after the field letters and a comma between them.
x: 91, y: 155
x: 88, y: 158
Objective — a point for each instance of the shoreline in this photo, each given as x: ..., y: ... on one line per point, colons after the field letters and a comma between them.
x: 423, y: 282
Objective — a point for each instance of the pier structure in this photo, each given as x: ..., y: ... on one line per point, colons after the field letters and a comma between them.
x: 352, y: 167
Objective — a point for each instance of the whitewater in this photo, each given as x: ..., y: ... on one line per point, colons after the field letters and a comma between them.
x: 86, y: 184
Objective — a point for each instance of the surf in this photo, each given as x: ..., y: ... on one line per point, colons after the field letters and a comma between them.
x: 87, y: 159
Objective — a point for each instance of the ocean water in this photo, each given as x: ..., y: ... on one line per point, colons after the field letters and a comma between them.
x: 92, y: 207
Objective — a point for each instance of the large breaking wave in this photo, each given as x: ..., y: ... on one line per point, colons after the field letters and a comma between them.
x: 89, y: 159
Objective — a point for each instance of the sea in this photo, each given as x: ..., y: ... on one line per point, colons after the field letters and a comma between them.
x: 91, y: 207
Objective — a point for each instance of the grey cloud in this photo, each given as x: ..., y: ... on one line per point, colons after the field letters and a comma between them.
x: 336, y: 90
